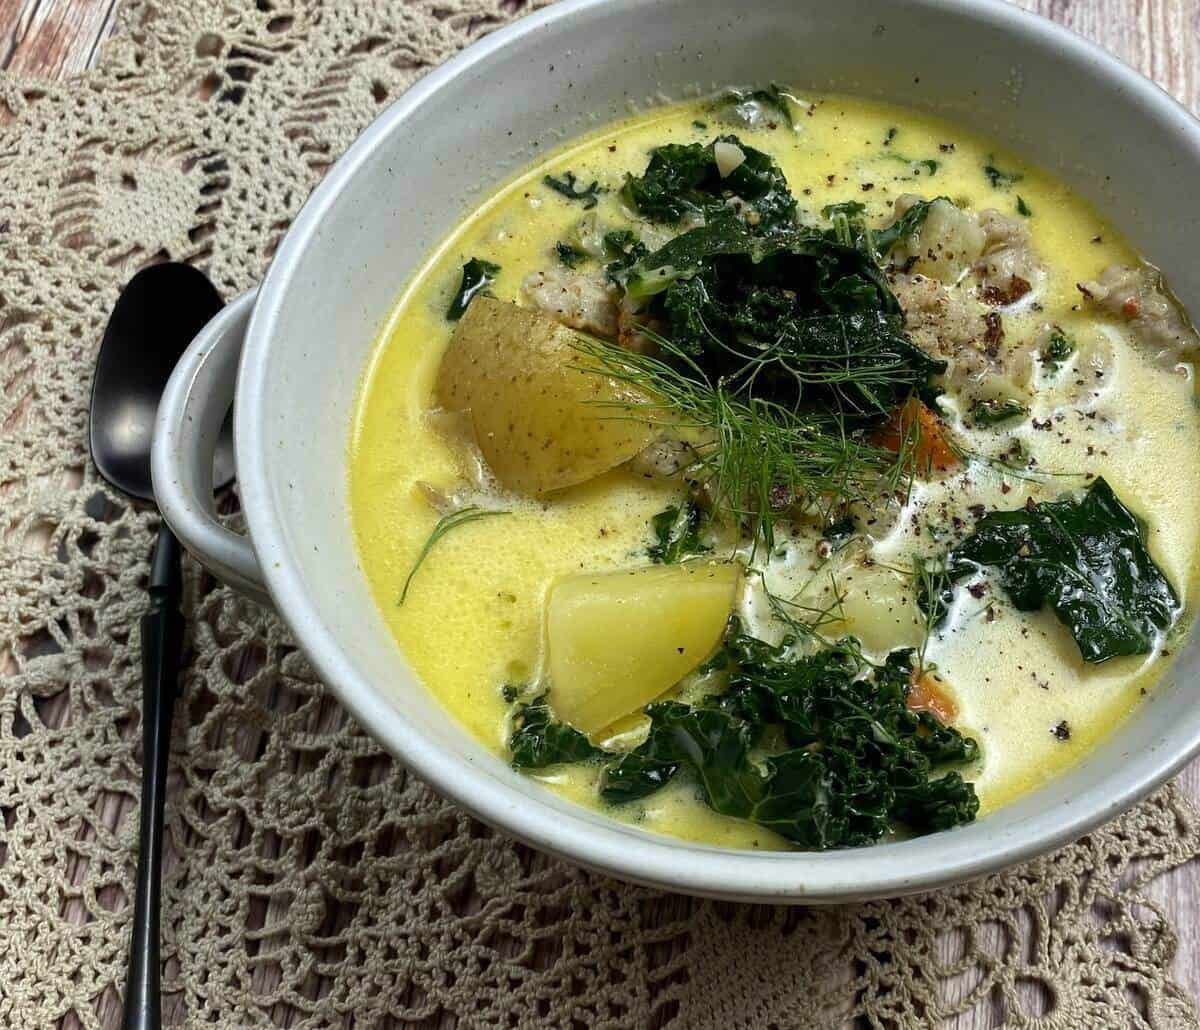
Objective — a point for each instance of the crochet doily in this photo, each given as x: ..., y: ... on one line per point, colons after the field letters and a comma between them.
x: 310, y: 881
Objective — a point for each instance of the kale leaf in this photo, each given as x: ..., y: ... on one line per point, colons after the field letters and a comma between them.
x: 623, y: 248
x: 1086, y: 560
x: 903, y: 228
x: 813, y: 308
x: 856, y: 759
x: 569, y: 187
x: 683, y: 179
x: 477, y: 276
x: 677, y: 534
x: 568, y: 255
x: 538, y: 740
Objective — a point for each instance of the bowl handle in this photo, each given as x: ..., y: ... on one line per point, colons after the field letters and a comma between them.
x: 190, y: 414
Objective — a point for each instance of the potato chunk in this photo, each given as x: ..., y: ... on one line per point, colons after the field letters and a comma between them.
x: 878, y: 608
x: 541, y: 420
x: 617, y: 640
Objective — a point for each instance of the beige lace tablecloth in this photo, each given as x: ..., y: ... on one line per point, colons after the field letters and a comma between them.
x: 310, y: 881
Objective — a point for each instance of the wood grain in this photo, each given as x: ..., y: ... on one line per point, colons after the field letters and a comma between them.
x: 1160, y: 38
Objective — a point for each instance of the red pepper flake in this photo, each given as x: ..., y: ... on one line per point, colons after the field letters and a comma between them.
x: 1131, y: 308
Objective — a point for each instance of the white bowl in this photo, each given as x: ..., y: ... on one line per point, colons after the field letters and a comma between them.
x: 292, y: 357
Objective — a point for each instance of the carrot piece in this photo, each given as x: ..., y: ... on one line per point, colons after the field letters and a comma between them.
x: 926, y: 695
x: 933, y: 449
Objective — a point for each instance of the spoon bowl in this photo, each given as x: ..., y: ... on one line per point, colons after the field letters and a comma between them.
x: 157, y: 315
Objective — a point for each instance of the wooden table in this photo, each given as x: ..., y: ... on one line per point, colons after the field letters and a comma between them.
x: 1160, y: 38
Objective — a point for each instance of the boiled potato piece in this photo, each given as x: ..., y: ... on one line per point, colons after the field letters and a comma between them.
x: 878, y: 608
x: 541, y: 421
x: 617, y: 640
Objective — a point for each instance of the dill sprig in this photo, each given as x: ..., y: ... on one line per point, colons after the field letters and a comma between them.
x: 931, y: 582
x: 756, y: 456
x: 445, y: 524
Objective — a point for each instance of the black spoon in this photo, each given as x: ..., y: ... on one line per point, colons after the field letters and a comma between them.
x: 157, y: 315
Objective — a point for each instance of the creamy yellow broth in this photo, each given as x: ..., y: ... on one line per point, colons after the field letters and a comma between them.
x: 473, y: 618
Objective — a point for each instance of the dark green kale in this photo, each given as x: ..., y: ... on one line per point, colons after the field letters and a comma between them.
x: 1023, y: 208
x: 749, y: 107
x: 477, y: 276
x: 999, y: 179
x: 623, y: 248
x: 568, y: 255
x: 1085, y: 559
x: 1057, y: 350
x: 538, y: 740
x: 677, y: 534
x: 993, y: 412
x: 800, y: 315
x: 569, y: 187
x: 683, y: 179
x: 905, y: 227
x: 855, y: 759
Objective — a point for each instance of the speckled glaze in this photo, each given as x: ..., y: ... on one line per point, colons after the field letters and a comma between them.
x: 291, y: 356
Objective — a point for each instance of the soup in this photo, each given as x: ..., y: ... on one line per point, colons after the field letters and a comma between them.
x: 781, y: 470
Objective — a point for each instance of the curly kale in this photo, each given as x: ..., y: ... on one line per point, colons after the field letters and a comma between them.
x: 808, y: 746
x: 854, y: 760
x: 684, y: 180
x: 538, y: 740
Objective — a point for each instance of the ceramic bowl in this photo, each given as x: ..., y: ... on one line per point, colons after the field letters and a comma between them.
x: 290, y: 357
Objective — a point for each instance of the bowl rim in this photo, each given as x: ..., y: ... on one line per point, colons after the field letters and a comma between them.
x: 647, y: 858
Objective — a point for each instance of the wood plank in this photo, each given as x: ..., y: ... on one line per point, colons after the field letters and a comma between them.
x: 52, y: 38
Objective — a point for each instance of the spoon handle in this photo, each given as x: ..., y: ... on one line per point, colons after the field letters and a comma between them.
x: 162, y: 643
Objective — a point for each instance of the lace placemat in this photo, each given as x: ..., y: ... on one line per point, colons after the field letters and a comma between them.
x: 310, y: 882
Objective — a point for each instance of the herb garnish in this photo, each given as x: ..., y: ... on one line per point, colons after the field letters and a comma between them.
x: 569, y: 187
x: 1022, y: 207
x: 477, y: 276
x: 445, y: 524
x: 845, y: 759
x: 1084, y: 559
x: 677, y: 534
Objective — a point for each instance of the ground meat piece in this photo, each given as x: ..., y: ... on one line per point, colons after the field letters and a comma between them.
x: 1138, y: 297
x: 581, y: 300
x: 951, y: 324
x: 945, y: 323
x: 1009, y: 268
